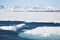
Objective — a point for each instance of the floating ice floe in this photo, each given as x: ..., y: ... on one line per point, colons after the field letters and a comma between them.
x: 13, y: 28
x: 41, y: 32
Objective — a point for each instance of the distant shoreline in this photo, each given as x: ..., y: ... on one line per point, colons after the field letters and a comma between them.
x: 37, y: 11
x: 28, y: 10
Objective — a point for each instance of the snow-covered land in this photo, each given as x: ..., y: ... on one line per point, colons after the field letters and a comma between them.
x: 30, y: 16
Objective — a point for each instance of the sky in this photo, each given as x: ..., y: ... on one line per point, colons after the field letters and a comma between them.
x: 12, y: 3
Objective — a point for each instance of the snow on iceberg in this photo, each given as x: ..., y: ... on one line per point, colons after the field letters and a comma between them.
x: 41, y: 32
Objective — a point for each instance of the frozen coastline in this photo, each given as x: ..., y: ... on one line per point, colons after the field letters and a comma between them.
x: 34, y: 33
x: 30, y: 16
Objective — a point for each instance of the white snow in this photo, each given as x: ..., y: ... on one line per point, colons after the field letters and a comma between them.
x: 8, y: 28
x: 30, y: 16
x: 13, y: 28
x: 44, y: 31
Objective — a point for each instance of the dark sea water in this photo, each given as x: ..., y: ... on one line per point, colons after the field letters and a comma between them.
x: 13, y: 35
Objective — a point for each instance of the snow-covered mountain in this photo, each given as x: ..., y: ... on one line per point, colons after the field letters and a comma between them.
x: 17, y: 7
x: 26, y: 7
x: 29, y: 9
